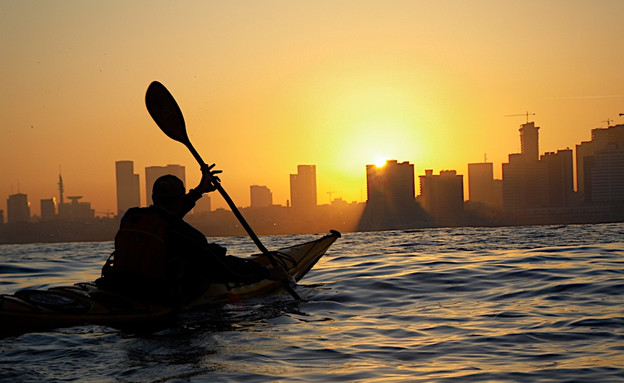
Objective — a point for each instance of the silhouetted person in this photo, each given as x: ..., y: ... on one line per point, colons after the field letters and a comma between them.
x: 159, y: 258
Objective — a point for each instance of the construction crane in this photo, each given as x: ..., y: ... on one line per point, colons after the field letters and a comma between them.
x: 527, y: 114
x: 330, y: 195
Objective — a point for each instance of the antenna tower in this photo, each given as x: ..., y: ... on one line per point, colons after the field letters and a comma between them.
x: 61, y: 188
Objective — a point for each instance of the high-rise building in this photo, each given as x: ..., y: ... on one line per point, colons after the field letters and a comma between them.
x: 525, y: 183
x: 393, y: 182
x: 442, y: 196
x: 525, y: 178
x: 605, y: 176
x: 529, y: 141
x: 303, y: 187
x: 531, y: 181
x: 152, y: 173
x: 482, y: 187
x: 599, y: 141
x: 203, y: 205
x: 599, y: 166
x: 261, y: 196
x: 48, y: 209
x: 128, y: 189
x: 18, y: 208
x: 560, y: 178
x: 391, y: 198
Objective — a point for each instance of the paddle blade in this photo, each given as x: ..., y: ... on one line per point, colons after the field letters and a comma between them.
x: 165, y: 111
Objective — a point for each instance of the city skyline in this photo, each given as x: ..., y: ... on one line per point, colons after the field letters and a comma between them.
x: 304, y: 181
x: 267, y: 86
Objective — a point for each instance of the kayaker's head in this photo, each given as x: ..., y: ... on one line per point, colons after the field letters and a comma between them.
x: 167, y: 192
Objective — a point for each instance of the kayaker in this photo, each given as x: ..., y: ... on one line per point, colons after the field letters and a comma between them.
x: 162, y: 259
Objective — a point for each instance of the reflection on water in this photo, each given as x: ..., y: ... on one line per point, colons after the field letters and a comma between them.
x: 465, y: 304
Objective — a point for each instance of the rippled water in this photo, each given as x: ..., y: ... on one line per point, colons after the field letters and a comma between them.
x: 539, y: 303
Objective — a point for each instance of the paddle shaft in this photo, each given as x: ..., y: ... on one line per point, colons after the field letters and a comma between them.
x: 232, y: 206
x: 241, y: 219
x: 167, y: 114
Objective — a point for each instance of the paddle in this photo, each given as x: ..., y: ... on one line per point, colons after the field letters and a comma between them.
x: 167, y: 114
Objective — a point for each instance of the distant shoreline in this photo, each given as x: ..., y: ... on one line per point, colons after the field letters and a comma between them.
x: 222, y: 223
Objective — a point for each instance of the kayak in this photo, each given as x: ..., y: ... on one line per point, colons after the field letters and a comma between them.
x: 84, y: 303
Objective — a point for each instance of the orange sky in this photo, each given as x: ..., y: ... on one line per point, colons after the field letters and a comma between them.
x: 267, y: 85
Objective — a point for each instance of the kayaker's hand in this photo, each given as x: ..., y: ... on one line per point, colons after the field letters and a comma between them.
x: 279, y: 274
x: 209, y: 180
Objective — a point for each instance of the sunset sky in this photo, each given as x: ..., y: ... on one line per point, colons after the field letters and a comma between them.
x: 267, y: 85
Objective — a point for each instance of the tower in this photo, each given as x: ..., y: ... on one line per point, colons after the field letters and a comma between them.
x: 599, y: 174
x: 48, y: 209
x: 128, y: 189
x: 529, y: 141
x: 560, y: 177
x: 61, y: 190
x: 62, y: 206
x: 303, y: 187
x: 442, y: 196
x: 392, y: 182
x: 391, y: 200
x: 18, y: 208
x: 482, y: 187
x: 261, y: 196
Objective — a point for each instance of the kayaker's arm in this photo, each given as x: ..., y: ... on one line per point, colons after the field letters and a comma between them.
x: 168, y: 116
x: 222, y: 268
x: 278, y: 273
x: 207, y: 184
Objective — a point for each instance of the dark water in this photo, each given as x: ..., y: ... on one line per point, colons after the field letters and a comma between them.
x: 468, y: 304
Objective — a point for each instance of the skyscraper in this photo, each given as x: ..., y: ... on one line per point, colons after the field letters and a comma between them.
x: 261, y: 196
x: 303, y: 187
x: 482, y: 187
x: 560, y: 177
x: 600, y: 166
x: 203, y: 205
x: 152, y: 173
x: 525, y: 183
x: 605, y: 171
x: 18, y: 208
x: 442, y: 196
x: 529, y: 141
x: 48, y: 209
x: 392, y: 182
x: 525, y: 178
x: 128, y: 189
x: 391, y: 199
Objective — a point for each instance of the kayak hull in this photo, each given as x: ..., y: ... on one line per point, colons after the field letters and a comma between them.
x: 85, y: 303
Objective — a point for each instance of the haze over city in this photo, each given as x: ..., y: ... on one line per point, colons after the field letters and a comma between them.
x: 269, y: 85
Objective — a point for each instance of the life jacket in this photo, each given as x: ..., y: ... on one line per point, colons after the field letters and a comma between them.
x: 140, y: 248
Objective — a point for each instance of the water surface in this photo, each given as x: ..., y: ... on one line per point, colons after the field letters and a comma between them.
x: 537, y: 303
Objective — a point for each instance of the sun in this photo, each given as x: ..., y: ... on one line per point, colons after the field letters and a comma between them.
x: 380, y: 161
